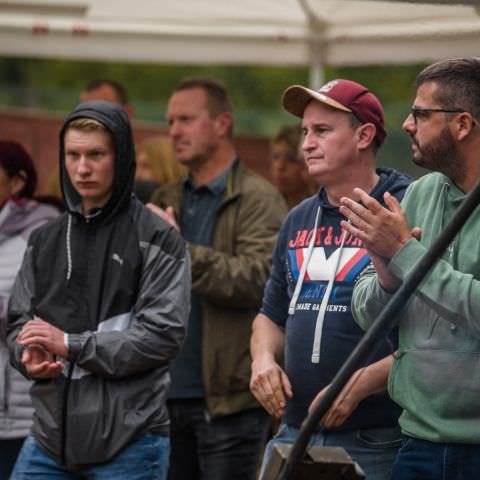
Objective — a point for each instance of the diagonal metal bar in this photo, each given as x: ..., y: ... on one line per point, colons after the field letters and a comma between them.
x: 387, y: 319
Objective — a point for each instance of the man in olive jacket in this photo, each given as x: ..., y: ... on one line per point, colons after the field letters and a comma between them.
x: 230, y: 218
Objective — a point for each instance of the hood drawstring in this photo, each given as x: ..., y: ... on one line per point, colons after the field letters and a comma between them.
x: 317, y: 339
x: 303, y: 270
x: 69, y: 247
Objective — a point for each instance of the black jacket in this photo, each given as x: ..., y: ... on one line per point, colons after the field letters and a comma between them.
x: 118, y: 282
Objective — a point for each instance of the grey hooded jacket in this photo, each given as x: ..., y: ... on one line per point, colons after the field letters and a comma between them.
x: 118, y: 282
x: 17, y: 220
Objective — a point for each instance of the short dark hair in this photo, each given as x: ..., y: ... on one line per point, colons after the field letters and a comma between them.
x: 217, y: 96
x: 291, y: 135
x: 458, y: 83
x: 119, y: 89
x: 15, y: 160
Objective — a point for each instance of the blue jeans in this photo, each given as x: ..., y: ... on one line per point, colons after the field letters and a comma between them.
x: 223, y: 448
x: 374, y: 449
x: 145, y: 459
x: 423, y: 460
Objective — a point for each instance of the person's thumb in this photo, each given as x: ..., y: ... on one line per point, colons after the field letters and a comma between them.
x: 416, y: 233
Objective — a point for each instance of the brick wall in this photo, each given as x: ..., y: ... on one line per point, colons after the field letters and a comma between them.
x: 38, y: 133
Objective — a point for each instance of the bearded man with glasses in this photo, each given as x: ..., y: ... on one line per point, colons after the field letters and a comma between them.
x: 435, y: 376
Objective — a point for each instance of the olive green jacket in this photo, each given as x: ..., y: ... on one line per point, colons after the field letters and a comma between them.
x: 230, y: 277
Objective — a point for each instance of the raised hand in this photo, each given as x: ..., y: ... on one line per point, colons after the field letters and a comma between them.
x: 168, y: 214
x: 383, y: 230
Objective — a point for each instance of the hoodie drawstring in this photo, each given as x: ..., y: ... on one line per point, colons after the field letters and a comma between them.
x: 303, y: 270
x: 317, y: 339
x: 69, y: 248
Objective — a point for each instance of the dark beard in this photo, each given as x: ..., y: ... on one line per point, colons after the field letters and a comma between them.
x: 441, y: 155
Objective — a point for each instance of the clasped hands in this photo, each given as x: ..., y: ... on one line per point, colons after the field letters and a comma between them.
x: 43, y: 342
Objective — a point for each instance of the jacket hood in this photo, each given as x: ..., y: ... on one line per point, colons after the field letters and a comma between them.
x: 116, y: 121
x: 390, y: 180
x: 21, y: 217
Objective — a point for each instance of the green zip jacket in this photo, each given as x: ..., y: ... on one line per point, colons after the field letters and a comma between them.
x: 436, y: 376
x: 230, y: 277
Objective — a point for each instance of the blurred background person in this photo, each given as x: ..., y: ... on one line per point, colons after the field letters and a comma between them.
x: 20, y: 214
x: 156, y: 165
x: 289, y: 171
x: 109, y: 91
x: 156, y: 161
x: 230, y: 217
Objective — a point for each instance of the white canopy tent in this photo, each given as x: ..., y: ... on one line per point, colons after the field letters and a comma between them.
x: 275, y: 32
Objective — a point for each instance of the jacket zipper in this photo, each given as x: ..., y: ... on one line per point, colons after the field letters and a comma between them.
x: 6, y: 388
x: 63, y: 435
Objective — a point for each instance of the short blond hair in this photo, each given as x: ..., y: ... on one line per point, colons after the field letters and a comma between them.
x: 161, y: 159
x: 86, y: 125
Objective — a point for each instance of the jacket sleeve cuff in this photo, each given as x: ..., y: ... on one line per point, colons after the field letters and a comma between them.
x: 17, y: 360
x: 75, y: 344
x: 381, y: 295
x: 406, y: 258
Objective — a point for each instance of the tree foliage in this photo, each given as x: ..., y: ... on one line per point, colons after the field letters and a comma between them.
x: 255, y: 91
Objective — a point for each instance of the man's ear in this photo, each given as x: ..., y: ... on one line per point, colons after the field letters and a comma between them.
x: 365, y: 135
x: 223, y: 123
x: 463, y: 125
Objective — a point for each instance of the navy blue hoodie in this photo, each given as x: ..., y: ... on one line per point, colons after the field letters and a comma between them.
x: 318, y: 344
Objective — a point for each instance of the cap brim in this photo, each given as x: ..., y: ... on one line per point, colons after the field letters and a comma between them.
x: 296, y: 98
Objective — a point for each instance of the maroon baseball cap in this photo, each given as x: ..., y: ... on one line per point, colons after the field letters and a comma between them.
x: 341, y: 94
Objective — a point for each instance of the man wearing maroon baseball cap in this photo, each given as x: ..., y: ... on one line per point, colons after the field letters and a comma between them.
x: 306, y: 316
x: 344, y: 95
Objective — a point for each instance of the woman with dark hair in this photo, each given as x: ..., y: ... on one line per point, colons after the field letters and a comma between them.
x: 19, y: 215
x: 289, y: 170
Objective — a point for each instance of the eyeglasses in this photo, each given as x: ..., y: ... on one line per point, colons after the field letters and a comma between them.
x: 422, y: 113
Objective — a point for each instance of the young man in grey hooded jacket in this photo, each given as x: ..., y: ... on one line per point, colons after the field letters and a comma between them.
x: 97, y: 313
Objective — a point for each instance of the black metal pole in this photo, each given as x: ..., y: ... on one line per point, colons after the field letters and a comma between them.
x: 387, y: 319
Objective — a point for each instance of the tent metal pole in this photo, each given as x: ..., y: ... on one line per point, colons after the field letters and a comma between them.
x: 316, y: 30
x: 316, y: 75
